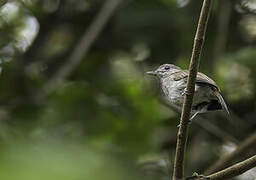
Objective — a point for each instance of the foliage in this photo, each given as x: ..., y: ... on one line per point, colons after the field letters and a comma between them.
x: 106, y: 116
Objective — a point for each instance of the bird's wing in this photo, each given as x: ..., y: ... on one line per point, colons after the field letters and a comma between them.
x: 180, y: 75
x: 200, y: 78
x: 203, y: 79
x: 222, y: 101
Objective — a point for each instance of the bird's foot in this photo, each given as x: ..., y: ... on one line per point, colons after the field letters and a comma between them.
x: 185, y: 91
x: 189, y: 122
x: 193, y: 116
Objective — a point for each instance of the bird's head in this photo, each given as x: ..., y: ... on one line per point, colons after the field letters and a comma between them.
x: 164, y: 70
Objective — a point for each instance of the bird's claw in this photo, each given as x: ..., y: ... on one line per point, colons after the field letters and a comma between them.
x: 185, y: 92
x: 189, y: 122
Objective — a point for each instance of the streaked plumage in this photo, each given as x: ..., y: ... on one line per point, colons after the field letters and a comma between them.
x: 207, y: 96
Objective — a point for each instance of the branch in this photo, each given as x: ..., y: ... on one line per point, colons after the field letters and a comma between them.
x: 234, y: 170
x: 178, y: 171
x: 246, y: 7
x: 3, y: 2
x: 242, y: 149
x: 82, y: 48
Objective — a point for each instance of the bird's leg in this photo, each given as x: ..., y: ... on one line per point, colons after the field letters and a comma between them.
x: 190, y: 119
x: 185, y: 91
x: 193, y: 116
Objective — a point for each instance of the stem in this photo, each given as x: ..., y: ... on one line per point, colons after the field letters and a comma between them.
x: 178, y: 172
x: 241, y: 151
x: 234, y: 170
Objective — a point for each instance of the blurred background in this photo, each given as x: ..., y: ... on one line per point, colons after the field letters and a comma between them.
x: 75, y: 102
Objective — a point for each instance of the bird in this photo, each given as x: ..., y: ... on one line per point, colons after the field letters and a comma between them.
x: 173, y: 81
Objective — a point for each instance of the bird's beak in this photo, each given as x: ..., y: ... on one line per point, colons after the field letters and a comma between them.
x: 151, y: 73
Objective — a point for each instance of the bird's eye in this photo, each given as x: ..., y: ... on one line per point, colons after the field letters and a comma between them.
x: 167, y: 67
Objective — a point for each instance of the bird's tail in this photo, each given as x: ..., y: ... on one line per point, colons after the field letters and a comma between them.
x: 222, y: 102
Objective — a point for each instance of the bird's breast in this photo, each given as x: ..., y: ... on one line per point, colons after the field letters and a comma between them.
x: 174, y: 91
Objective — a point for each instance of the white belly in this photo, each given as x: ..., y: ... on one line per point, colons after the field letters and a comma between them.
x: 174, y: 92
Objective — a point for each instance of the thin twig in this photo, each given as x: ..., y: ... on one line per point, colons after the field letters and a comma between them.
x: 242, y: 149
x: 3, y: 2
x: 229, y: 172
x: 83, y: 46
x: 178, y: 172
x: 246, y: 7
x: 234, y: 170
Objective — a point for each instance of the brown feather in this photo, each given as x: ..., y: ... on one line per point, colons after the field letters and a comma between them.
x: 200, y: 78
x: 221, y: 100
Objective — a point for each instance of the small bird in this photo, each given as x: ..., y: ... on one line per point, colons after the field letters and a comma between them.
x: 207, y: 96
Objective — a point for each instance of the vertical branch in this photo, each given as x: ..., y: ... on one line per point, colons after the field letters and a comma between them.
x: 178, y: 172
